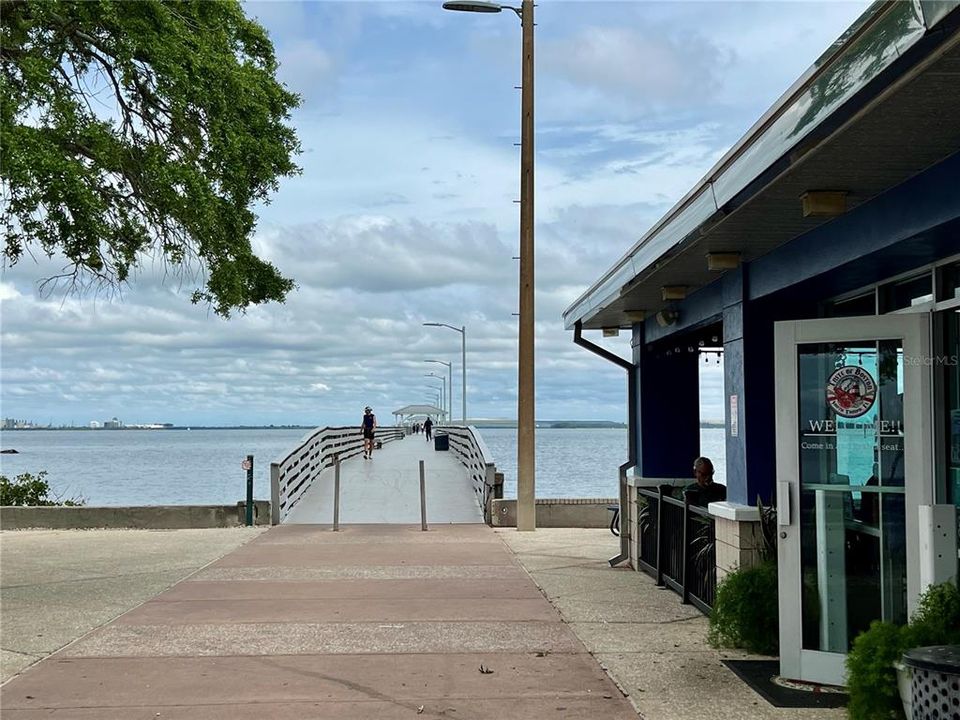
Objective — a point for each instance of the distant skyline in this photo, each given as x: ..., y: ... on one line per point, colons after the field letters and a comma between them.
x: 404, y: 214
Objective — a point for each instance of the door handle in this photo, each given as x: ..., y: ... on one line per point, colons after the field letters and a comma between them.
x: 783, y: 503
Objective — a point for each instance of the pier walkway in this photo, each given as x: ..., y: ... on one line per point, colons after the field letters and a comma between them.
x: 386, y: 489
x: 374, y: 621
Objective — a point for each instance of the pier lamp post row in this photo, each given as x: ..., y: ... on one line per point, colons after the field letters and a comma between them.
x: 463, y: 364
x: 443, y: 388
x: 449, y: 384
x: 526, y: 442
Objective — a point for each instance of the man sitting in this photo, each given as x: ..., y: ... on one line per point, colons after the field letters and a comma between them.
x: 704, y: 491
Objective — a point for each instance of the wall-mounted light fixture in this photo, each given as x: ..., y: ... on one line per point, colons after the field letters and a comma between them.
x: 666, y: 318
x: 723, y: 260
x: 674, y: 292
x: 824, y: 203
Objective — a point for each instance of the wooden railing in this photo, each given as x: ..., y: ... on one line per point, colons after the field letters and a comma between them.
x: 472, y: 452
x: 292, y: 476
x: 677, y: 545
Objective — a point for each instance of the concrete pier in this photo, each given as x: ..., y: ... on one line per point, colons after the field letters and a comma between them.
x: 386, y: 489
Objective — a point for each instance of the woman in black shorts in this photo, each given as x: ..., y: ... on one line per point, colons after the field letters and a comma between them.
x: 368, y: 425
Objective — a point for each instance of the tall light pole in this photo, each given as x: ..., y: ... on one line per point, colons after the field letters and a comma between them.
x: 449, y: 384
x: 463, y: 363
x: 434, y: 396
x: 526, y: 419
x: 443, y: 396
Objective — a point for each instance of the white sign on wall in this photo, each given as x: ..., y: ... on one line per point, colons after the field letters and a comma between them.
x: 734, y: 417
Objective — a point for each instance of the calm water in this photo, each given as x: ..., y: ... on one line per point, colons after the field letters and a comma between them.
x: 152, y: 467
x: 579, y: 462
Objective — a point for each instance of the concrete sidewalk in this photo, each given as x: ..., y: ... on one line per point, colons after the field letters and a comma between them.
x: 654, y: 647
x: 57, y: 585
x: 372, y: 622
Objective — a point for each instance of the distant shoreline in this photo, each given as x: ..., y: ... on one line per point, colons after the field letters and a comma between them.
x: 164, y: 429
x: 489, y: 424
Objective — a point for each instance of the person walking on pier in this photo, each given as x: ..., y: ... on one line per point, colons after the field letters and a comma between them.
x: 368, y: 425
x: 428, y: 428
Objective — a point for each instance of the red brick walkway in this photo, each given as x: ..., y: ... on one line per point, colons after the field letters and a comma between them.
x: 372, y: 622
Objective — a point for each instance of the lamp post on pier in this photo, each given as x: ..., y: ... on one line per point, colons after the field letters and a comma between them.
x: 526, y: 416
x: 443, y: 396
x: 449, y: 384
x: 463, y: 363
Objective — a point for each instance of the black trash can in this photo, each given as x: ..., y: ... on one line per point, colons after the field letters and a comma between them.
x: 441, y: 442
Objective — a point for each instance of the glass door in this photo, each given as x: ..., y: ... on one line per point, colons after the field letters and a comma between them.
x: 850, y: 461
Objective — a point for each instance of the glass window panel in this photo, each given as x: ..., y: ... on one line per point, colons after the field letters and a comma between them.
x: 949, y: 285
x: 951, y: 363
x: 906, y: 293
x: 854, y: 307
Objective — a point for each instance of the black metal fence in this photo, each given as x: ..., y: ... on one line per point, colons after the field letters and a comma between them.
x: 677, y: 545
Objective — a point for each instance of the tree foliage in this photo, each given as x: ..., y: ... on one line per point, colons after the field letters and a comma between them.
x: 29, y: 489
x: 139, y: 129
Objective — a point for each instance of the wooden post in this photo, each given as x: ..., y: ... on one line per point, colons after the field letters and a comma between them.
x: 526, y: 412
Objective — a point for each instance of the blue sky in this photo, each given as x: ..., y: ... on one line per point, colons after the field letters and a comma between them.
x: 404, y: 213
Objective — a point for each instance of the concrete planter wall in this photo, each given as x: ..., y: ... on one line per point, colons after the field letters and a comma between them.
x: 558, y: 512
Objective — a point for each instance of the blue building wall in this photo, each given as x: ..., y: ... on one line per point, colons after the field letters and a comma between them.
x: 669, y: 411
x: 910, y: 226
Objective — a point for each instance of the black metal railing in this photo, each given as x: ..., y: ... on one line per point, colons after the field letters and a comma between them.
x: 677, y: 545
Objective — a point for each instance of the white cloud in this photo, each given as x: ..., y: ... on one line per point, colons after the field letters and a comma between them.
x: 646, y: 66
x: 8, y: 291
x: 405, y: 213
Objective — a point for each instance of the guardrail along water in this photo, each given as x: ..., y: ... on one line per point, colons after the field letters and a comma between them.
x: 292, y: 476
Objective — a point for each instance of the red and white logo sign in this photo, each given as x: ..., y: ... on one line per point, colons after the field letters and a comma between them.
x: 851, y: 391
x: 246, y: 464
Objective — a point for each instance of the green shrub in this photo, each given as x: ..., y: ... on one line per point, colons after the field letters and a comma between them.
x: 937, y: 618
x: 871, y: 677
x: 28, y: 489
x: 745, y: 613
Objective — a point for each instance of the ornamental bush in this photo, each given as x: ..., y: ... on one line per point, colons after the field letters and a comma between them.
x: 745, y: 612
x: 871, y: 675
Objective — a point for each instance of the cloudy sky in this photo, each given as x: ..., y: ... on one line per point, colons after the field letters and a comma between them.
x: 404, y: 214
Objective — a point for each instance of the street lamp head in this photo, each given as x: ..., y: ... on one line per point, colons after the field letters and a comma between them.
x: 473, y: 6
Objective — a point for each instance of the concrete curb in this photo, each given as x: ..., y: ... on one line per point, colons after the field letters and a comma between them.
x: 157, y: 517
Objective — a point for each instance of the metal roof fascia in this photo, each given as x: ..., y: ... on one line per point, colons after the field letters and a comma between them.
x: 667, y: 234
x: 865, y: 57
x: 936, y: 10
x: 743, y: 159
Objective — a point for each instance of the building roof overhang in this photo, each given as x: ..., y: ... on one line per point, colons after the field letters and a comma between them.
x: 877, y: 108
